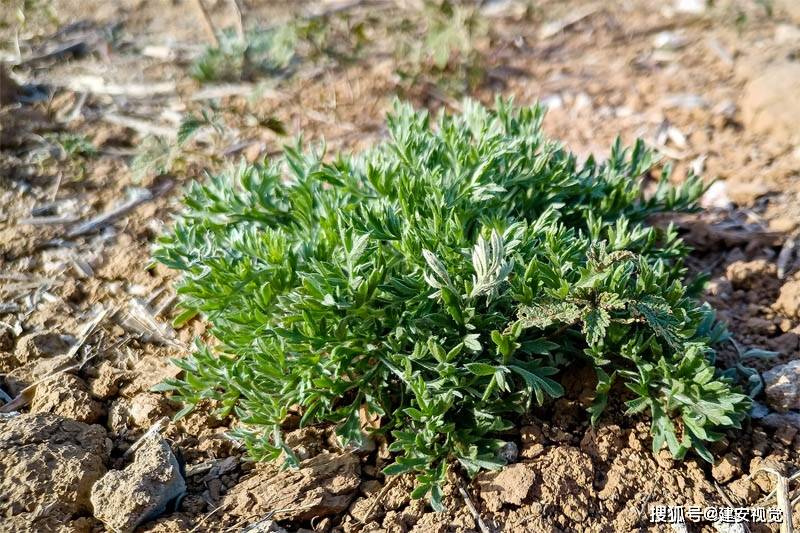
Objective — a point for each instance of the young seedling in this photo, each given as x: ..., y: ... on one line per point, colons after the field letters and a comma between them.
x: 440, y: 282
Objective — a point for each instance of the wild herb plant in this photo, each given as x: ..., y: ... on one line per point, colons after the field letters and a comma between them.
x: 442, y: 281
x: 259, y: 53
x: 158, y: 155
x: 445, y: 53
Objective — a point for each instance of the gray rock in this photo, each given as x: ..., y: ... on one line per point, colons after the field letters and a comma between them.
x: 782, y: 386
x: 509, y: 452
x: 781, y: 420
x: 124, y: 499
x: 758, y: 410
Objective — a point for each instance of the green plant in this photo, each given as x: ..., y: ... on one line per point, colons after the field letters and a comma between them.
x: 446, y: 51
x: 73, y: 145
x: 158, y: 155
x: 440, y: 281
x: 259, y: 53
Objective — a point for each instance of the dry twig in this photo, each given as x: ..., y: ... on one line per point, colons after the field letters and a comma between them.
x: 138, y: 197
x: 473, y: 510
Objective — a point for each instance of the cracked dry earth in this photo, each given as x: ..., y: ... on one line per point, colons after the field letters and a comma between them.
x: 84, y: 323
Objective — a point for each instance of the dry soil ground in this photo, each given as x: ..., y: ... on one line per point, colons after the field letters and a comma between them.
x: 716, y: 88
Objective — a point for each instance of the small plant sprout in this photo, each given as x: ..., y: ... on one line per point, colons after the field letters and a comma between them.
x: 440, y: 283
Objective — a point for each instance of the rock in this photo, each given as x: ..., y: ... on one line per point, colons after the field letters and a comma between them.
x: 510, y: 485
x: 720, y: 287
x: 717, y: 196
x: 669, y: 40
x: 533, y: 441
x: 788, y: 301
x: 781, y: 420
x: 123, y: 499
x: 66, y: 395
x: 769, y: 106
x: 782, y: 386
x: 758, y: 410
x: 306, y: 442
x: 323, y: 485
x: 141, y: 411
x: 727, y: 468
x: 509, y: 452
x: 47, y: 467
x: 744, y: 193
x: 117, y: 422
x: 744, y: 489
x: 148, y: 372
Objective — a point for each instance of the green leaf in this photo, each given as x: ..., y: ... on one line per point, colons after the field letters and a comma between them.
x: 595, y: 323
x: 539, y: 383
x: 480, y: 369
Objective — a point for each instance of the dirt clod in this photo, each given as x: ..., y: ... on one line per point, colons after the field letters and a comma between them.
x: 323, y: 485
x: 510, y: 485
x: 744, y: 274
x: 123, y: 499
x: 66, y: 395
x: 38, y: 345
x: 107, y: 382
x: 47, y: 467
x: 788, y: 301
x: 727, y: 468
x: 768, y: 105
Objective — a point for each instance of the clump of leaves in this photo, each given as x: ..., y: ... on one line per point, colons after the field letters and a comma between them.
x: 72, y: 149
x: 446, y: 53
x: 159, y: 155
x: 260, y: 52
x: 440, y: 282
x: 72, y: 145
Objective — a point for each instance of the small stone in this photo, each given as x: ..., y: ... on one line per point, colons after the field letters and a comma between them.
x: 744, y: 489
x: 123, y: 499
x: 533, y: 441
x: 745, y: 274
x: 758, y: 410
x: 782, y: 386
x: 720, y: 287
x: 691, y: 7
x: 786, y: 434
x: 780, y: 420
x: 509, y: 452
x: 371, y: 486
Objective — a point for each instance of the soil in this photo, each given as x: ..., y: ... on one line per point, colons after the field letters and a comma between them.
x: 715, y: 91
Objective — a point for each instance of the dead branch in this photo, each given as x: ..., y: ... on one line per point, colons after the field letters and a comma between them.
x: 138, y: 197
